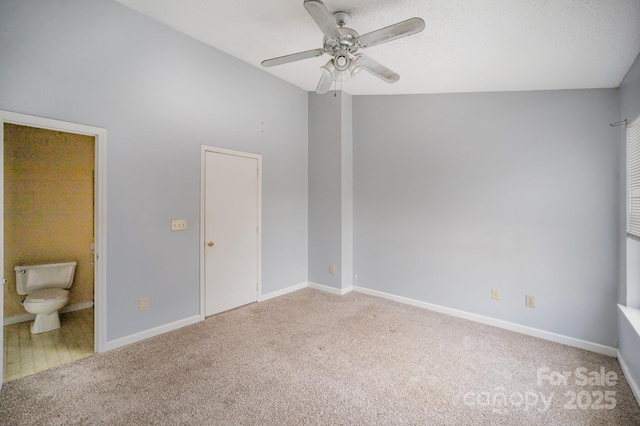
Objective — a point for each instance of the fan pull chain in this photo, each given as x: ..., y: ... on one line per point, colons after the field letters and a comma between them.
x: 335, y: 88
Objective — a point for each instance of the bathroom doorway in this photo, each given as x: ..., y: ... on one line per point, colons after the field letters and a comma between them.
x: 52, y: 213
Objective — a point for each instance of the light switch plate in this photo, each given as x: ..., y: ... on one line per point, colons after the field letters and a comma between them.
x: 178, y: 224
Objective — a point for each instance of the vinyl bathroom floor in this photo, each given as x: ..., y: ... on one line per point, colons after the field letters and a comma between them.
x: 26, y: 353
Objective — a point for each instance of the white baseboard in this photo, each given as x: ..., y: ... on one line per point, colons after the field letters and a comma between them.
x: 530, y: 331
x: 30, y: 317
x: 282, y: 292
x: 15, y: 319
x: 629, y: 377
x: 76, y: 307
x: 332, y: 290
x: 315, y: 286
x: 123, y: 341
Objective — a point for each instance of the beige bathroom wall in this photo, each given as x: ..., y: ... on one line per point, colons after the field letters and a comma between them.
x: 48, y: 206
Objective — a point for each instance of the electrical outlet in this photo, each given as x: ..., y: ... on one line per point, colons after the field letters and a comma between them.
x: 530, y: 301
x: 178, y: 224
x: 143, y: 304
x: 495, y: 294
x: 332, y: 270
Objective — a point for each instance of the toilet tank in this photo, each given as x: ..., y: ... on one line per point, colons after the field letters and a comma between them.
x: 30, y: 278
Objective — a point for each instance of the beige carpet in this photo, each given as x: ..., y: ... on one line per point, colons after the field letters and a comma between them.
x: 314, y: 358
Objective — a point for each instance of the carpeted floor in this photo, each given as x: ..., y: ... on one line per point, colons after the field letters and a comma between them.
x: 315, y: 358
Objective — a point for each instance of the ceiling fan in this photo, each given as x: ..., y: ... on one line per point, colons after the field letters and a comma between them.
x: 343, y: 43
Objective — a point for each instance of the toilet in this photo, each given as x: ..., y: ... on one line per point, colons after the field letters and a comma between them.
x: 46, y: 289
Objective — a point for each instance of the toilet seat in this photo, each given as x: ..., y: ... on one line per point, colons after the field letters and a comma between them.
x: 46, y: 294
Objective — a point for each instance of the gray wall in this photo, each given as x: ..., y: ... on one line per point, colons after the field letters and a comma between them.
x: 331, y: 189
x: 456, y: 194
x: 160, y: 95
x: 347, y: 191
x: 325, y: 188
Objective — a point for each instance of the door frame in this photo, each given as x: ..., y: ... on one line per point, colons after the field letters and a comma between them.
x: 99, y: 214
x: 203, y: 151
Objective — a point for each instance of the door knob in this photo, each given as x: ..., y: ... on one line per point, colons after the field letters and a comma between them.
x: 210, y: 244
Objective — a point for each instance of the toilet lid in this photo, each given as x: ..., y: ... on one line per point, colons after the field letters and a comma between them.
x: 47, y: 294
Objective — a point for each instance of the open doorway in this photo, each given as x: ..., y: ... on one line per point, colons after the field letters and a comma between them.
x: 53, y: 207
x: 48, y: 219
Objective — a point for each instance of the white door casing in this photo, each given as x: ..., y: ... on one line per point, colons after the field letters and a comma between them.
x: 100, y: 233
x: 231, y: 229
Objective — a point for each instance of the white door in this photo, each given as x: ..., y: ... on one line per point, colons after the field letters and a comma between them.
x: 231, y: 237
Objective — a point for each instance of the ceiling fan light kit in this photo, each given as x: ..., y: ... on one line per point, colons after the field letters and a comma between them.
x: 342, y: 44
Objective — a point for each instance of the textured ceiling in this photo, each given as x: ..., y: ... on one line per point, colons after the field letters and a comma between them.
x: 467, y: 45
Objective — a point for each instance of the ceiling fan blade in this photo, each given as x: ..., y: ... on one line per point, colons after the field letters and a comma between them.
x: 392, y: 32
x: 377, y: 69
x: 327, y: 78
x: 323, y: 18
x: 292, y: 58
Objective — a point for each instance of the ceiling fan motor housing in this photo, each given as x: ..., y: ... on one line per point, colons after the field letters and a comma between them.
x: 347, y: 41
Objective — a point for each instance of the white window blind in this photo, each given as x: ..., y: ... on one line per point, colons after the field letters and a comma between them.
x: 633, y: 183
